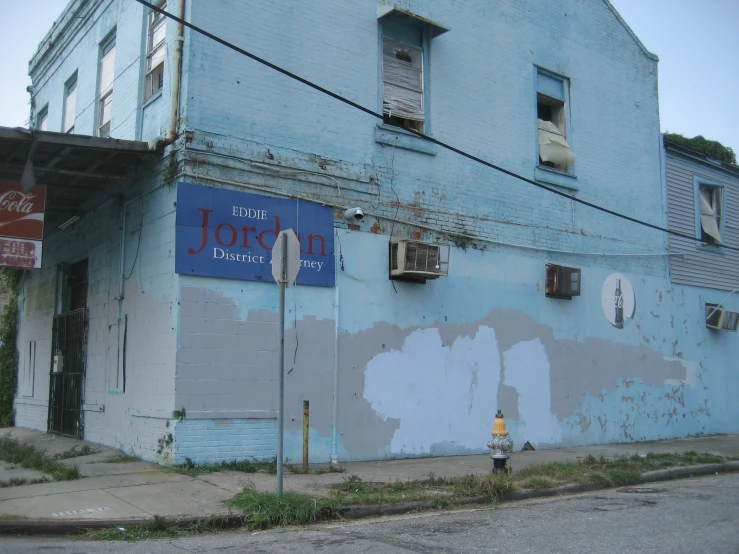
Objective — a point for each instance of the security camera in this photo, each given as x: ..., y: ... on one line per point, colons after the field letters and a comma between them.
x: 29, y: 89
x: 354, y: 214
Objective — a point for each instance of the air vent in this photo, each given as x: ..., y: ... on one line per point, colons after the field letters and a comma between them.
x: 720, y: 319
x: 418, y: 261
x: 562, y: 282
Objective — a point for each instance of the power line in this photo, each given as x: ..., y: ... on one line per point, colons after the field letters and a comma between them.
x: 442, y: 144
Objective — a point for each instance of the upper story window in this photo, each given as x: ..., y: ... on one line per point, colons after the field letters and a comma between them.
x: 403, y: 103
x: 105, y: 94
x: 711, y: 213
x: 155, y: 51
x: 70, y: 104
x: 405, y: 44
x: 552, y: 95
x: 42, y: 119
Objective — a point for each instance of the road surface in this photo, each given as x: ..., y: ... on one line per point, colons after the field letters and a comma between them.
x: 686, y: 516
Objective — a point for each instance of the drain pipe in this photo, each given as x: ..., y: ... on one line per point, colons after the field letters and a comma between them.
x: 334, y: 426
x: 176, y: 86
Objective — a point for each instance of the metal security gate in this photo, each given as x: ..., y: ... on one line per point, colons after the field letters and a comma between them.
x: 68, y: 345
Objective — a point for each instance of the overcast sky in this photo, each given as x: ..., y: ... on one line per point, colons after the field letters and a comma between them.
x: 697, y: 42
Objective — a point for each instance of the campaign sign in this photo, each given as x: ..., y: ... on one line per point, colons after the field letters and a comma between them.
x: 230, y: 234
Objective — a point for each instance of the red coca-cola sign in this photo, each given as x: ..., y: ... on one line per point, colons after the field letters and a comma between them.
x: 22, y: 213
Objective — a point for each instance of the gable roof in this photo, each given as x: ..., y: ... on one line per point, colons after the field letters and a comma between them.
x: 647, y: 53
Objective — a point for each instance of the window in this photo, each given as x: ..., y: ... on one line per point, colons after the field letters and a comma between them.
x: 551, y: 113
x: 402, y: 78
x: 710, y: 210
x: 155, y: 51
x: 42, y: 119
x: 562, y: 282
x: 720, y: 319
x: 107, y: 76
x: 70, y: 104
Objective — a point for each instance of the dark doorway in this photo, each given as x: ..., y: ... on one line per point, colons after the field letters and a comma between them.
x: 68, y: 355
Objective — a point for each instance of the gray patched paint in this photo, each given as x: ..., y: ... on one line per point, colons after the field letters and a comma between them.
x: 226, y: 363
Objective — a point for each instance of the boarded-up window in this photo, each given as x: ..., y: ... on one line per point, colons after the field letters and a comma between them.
x: 402, y: 76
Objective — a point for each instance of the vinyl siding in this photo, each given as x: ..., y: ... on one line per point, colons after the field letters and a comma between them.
x: 701, y: 266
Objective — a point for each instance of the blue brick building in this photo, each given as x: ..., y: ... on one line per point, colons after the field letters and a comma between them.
x: 579, y: 325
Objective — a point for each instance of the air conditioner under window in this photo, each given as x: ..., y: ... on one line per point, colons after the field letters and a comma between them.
x: 720, y: 319
x: 562, y: 282
x: 418, y: 261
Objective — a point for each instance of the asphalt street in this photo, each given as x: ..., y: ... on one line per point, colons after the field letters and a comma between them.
x: 685, y: 516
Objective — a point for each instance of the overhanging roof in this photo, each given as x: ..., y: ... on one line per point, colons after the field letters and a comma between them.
x: 78, y: 170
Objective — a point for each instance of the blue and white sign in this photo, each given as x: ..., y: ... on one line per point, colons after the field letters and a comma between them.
x: 230, y: 234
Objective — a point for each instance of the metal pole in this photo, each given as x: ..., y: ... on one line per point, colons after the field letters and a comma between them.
x: 281, y: 340
x: 306, y: 428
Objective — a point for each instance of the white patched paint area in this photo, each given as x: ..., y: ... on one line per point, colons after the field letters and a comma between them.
x: 439, y: 394
x: 527, y: 370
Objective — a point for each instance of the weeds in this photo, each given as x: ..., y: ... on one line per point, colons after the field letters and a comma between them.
x: 156, y: 528
x: 244, y: 466
x: 121, y: 458
x: 300, y: 470
x: 75, y: 453
x: 31, y: 457
x: 15, y: 481
x: 263, y: 510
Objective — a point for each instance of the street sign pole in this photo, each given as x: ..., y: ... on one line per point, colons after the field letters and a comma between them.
x: 281, y: 339
x: 285, y: 267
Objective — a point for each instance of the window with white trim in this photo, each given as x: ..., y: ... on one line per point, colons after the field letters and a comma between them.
x: 105, y: 95
x: 711, y: 211
x: 70, y: 104
x: 155, y: 53
x: 551, y: 112
x: 42, y: 119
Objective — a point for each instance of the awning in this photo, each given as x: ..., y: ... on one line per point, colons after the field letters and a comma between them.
x: 391, y: 12
x: 79, y: 171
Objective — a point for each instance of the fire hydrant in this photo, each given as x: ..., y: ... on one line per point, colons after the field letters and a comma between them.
x: 501, y: 445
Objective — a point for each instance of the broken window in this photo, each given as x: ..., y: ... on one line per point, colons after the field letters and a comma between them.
x: 42, y: 119
x: 403, y: 88
x: 70, y: 104
x: 107, y: 77
x: 155, y: 53
x: 551, y: 113
x: 710, y: 205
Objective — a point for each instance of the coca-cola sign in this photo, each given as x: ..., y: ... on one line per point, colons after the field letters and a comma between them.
x: 22, y: 213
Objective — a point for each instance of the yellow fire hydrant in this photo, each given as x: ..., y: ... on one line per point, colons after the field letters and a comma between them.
x: 501, y: 445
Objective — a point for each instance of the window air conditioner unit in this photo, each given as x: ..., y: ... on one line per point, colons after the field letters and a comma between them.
x: 562, y: 282
x: 418, y: 261
x: 720, y: 319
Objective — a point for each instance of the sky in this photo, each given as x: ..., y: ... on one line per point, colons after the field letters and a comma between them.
x: 697, y: 42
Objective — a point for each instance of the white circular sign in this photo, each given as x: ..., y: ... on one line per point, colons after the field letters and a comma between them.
x: 619, y: 303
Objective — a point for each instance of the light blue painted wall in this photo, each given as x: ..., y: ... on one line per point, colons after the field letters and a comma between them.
x: 544, y: 359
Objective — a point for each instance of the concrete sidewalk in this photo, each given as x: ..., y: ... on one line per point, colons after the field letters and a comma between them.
x: 139, y: 490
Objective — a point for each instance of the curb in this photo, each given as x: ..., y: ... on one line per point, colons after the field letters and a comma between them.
x: 48, y: 527
x: 230, y: 521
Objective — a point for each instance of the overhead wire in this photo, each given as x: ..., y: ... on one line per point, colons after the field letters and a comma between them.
x: 438, y: 142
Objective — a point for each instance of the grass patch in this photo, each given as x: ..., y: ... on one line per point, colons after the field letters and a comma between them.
x: 264, y: 510
x: 156, y: 528
x: 31, y: 457
x: 330, y: 469
x: 121, y: 458
x: 15, y: 481
x: 616, y: 472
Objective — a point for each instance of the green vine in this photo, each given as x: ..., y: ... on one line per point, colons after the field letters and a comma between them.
x: 8, y: 347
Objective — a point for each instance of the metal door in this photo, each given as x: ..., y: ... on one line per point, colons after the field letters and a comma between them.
x: 68, y: 345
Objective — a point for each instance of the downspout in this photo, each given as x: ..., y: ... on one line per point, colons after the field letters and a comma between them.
x: 334, y: 426
x: 176, y: 85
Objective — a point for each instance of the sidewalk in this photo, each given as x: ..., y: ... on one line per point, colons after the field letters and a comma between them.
x: 139, y: 490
